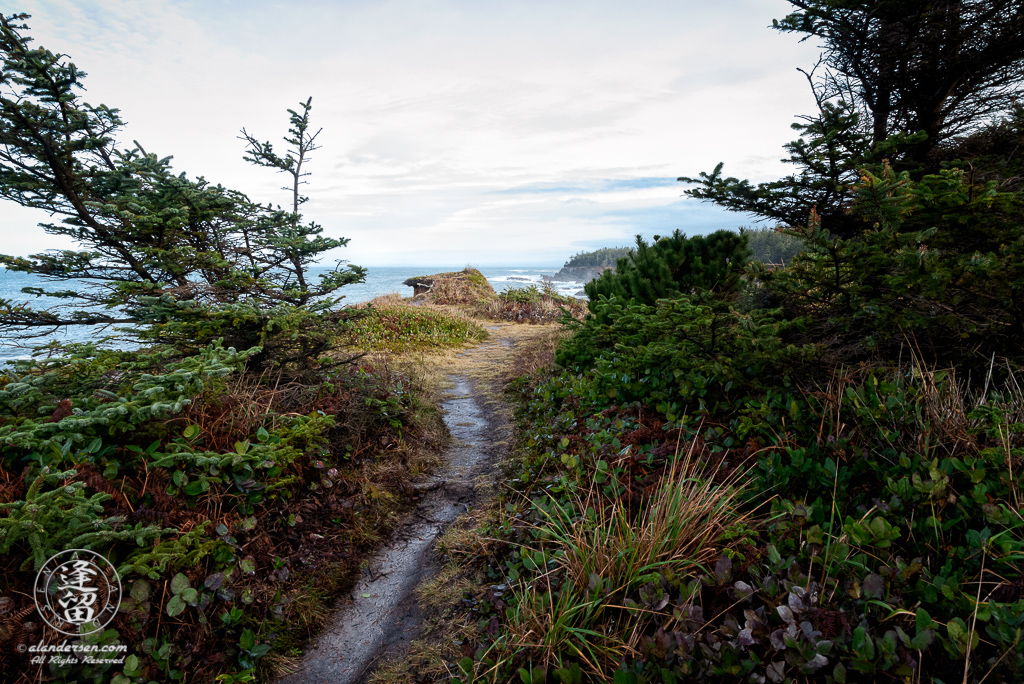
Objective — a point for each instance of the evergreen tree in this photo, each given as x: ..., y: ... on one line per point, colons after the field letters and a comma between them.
x: 187, y: 260
x: 599, y: 258
x: 954, y: 296
x: 772, y: 246
x: 673, y: 265
x: 898, y: 80
x: 941, y: 67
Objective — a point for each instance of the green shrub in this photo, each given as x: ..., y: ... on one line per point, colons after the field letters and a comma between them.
x: 673, y: 265
x: 937, y: 266
x: 692, y: 352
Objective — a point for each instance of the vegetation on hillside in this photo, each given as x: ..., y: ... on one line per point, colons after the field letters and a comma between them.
x: 818, y: 482
x: 238, y: 466
x: 771, y: 245
x: 534, y: 305
x: 728, y: 473
x: 233, y: 505
x: 392, y: 325
x: 465, y: 287
x: 599, y: 258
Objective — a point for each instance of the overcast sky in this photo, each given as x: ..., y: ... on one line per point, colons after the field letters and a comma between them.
x: 454, y: 131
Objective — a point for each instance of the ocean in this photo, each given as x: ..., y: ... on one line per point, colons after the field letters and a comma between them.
x: 379, y: 281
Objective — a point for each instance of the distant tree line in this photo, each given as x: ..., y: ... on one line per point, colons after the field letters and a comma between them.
x: 771, y: 246
x: 600, y: 258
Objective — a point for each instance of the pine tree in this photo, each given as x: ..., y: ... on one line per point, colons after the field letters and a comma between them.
x: 897, y: 81
x: 674, y: 264
x: 184, y: 260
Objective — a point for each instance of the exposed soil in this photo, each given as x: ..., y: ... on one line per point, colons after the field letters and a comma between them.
x: 381, y: 617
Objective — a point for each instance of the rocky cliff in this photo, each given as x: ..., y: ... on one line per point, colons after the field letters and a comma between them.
x: 462, y: 287
x: 580, y: 274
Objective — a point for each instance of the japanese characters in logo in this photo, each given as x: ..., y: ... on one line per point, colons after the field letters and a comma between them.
x: 77, y: 592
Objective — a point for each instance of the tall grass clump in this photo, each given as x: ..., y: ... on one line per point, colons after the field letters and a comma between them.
x: 608, y: 574
x: 679, y: 527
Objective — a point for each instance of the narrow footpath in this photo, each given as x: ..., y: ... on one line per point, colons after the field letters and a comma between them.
x: 381, y: 616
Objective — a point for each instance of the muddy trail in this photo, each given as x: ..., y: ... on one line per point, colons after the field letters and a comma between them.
x: 381, y: 617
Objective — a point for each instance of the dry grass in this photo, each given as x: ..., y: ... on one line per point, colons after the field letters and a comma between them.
x: 680, y: 527
x: 446, y: 588
x: 510, y: 350
x: 543, y: 310
x: 537, y: 354
x: 427, y: 658
x: 468, y: 287
x: 384, y: 301
x: 607, y: 554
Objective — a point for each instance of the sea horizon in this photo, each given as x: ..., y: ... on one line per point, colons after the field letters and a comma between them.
x: 380, y: 281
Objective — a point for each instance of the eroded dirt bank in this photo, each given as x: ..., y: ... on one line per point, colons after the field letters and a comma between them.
x: 381, y: 616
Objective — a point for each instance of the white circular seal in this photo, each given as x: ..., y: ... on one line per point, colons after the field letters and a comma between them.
x: 77, y: 592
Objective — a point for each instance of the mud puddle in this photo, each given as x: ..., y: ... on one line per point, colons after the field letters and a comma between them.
x: 381, y: 615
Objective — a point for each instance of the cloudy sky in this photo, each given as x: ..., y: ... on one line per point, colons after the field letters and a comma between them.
x: 473, y: 132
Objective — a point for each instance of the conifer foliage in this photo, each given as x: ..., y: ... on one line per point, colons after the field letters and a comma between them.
x: 673, y: 265
x: 897, y: 80
x: 189, y: 260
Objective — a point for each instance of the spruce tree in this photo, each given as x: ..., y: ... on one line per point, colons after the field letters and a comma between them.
x: 183, y: 260
x: 899, y: 81
x: 672, y: 265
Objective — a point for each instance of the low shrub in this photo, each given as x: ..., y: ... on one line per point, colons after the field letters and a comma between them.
x: 533, y: 305
x: 236, y: 492
x: 673, y: 265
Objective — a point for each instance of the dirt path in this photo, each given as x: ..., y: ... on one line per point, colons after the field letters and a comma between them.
x: 381, y: 616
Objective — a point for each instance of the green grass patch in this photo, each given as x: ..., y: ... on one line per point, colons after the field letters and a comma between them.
x: 403, y: 328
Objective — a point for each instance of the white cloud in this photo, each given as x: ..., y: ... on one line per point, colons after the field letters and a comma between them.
x: 431, y: 108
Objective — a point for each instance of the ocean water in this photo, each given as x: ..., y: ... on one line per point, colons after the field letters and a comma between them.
x: 379, y: 281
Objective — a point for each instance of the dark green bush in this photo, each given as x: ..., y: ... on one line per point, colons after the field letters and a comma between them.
x: 693, y: 352
x: 939, y: 266
x: 673, y: 265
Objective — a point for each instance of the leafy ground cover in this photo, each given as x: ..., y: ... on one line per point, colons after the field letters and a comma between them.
x: 867, y: 527
x: 235, y: 504
x: 821, y: 482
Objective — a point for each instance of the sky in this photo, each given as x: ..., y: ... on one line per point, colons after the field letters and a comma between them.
x: 477, y: 132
